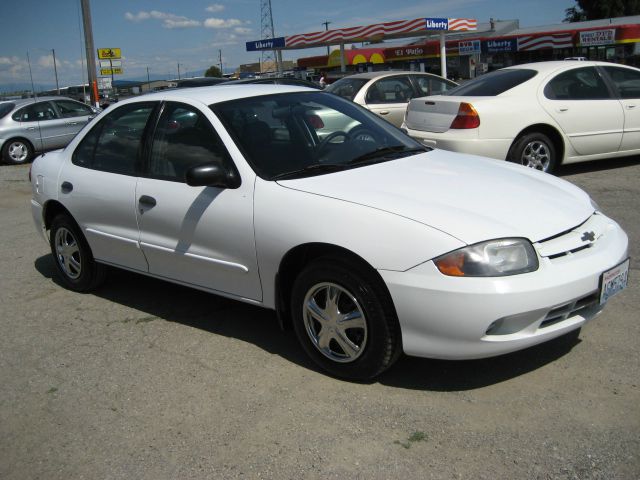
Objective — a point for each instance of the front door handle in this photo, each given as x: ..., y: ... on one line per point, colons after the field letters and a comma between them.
x: 147, y: 201
x: 384, y: 112
x: 31, y: 128
x: 66, y: 187
x: 630, y: 107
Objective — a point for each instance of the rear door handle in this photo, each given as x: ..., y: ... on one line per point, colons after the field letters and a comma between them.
x: 31, y: 128
x: 384, y: 112
x: 66, y: 187
x: 71, y: 123
x: 630, y: 107
x: 147, y: 201
x: 563, y: 109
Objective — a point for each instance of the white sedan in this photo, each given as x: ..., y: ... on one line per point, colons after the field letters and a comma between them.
x: 539, y: 114
x: 368, y: 243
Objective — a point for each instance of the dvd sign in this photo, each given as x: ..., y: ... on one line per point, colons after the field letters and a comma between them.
x: 469, y: 47
x: 597, y: 37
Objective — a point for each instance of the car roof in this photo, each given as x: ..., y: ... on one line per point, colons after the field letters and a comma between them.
x: 216, y: 94
x: 26, y: 101
x: 387, y: 73
x: 550, y: 66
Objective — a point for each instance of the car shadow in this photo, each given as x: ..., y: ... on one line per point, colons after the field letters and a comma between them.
x: 259, y: 326
x: 597, y: 165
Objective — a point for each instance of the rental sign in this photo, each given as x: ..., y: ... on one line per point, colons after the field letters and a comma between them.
x: 598, y: 37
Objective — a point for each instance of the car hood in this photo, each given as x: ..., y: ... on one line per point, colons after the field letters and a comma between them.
x: 471, y: 198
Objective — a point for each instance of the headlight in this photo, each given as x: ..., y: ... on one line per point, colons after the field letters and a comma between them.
x: 495, y: 258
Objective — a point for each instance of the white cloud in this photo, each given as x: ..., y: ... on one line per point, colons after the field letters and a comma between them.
x: 222, y: 23
x: 215, y: 8
x: 169, y: 20
x: 242, y: 30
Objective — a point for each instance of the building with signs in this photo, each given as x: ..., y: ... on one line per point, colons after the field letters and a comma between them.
x: 496, y: 44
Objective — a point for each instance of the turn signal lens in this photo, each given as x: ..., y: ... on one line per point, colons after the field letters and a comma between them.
x: 467, y: 117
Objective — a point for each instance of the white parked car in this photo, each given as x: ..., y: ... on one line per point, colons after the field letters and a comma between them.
x: 387, y: 93
x: 367, y: 242
x: 539, y: 114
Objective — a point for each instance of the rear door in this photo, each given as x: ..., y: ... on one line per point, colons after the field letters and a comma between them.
x: 41, y: 124
x: 627, y: 84
x: 580, y: 101
x: 388, y: 97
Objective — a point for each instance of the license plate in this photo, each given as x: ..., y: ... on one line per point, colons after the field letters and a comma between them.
x: 613, y: 281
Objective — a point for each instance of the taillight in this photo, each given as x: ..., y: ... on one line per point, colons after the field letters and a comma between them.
x: 315, y: 121
x: 467, y: 117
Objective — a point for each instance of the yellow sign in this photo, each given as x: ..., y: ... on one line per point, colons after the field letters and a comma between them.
x: 111, y: 71
x: 107, y: 53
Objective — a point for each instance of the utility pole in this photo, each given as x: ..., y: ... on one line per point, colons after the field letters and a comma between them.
x: 148, y: 81
x: 178, y: 71
x: 55, y: 70
x: 220, y: 61
x: 91, y: 54
x: 326, y: 27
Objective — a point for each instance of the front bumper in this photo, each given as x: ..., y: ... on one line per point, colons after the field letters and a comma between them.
x: 465, y: 318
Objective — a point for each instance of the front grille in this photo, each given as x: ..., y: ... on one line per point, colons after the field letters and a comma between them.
x: 586, y: 306
x: 578, y: 239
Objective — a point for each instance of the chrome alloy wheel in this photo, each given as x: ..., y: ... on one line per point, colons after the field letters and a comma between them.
x: 536, y: 154
x: 335, y: 322
x: 18, y: 152
x: 68, y: 253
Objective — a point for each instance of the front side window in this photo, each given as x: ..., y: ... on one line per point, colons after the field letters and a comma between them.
x: 494, y: 83
x: 69, y: 109
x: 310, y: 133
x: 36, y: 112
x: 346, y: 87
x: 577, y: 84
x: 114, y: 144
x: 627, y: 81
x: 183, y: 139
x: 390, y: 90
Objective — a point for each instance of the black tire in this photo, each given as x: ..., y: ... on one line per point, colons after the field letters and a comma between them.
x: 534, y: 150
x: 72, y: 255
x: 17, y: 151
x: 378, y: 339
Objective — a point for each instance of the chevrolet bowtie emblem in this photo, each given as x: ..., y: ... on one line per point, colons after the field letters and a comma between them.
x: 590, y: 236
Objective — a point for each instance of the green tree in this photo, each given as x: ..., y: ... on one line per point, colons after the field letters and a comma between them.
x: 597, y: 9
x: 213, y: 71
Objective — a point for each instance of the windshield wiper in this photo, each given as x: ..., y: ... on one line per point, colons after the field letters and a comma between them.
x: 311, y: 169
x: 386, y: 153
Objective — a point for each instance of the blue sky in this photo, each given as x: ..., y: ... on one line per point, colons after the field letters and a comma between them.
x: 161, y: 34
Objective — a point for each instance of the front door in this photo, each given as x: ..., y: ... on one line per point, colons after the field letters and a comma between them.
x: 201, y: 236
x: 627, y: 83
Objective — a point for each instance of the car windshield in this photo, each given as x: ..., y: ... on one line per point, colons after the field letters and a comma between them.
x: 347, y: 87
x: 310, y: 133
x: 6, y: 108
x: 493, y: 83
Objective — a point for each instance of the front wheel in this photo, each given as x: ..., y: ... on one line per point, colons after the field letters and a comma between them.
x: 73, y: 257
x: 17, y: 151
x: 534, y: 150
x: 345, y: 320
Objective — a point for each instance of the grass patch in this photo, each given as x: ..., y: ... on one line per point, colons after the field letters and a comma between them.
x: 52, y: 390
x: 416, y: 436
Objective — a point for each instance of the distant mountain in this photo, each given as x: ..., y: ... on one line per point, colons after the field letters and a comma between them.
x: 24, y: 86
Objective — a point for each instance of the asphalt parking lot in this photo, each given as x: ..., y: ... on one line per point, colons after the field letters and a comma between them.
x: 147, y: 380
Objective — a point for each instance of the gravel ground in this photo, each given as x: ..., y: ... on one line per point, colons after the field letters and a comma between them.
x: 146, y: 380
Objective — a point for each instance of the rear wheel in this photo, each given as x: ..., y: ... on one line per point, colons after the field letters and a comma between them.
x: 534, y: 150
x: 17, y: 151
x: 73, y: 257
x: 344, y: 319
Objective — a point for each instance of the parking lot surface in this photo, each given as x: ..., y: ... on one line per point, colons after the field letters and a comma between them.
x: 148, y: 380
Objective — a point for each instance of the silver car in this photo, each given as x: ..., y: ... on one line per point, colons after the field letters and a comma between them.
x: 37, y: 125
x: 387, y: 93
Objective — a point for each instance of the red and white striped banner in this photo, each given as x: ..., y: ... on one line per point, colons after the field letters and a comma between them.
x: 356, y: 33
x: 532, y: 42
x: 462, y: 24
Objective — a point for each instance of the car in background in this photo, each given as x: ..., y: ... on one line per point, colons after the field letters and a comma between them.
x: 39, y: 124
x: 387, y: 93
x: 368, y: 245
x: 539, y: 115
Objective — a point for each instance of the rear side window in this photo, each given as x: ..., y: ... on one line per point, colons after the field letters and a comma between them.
x: 494, y: 83
x: 390, y: 90
x: 6, y: 108
x: 114, y: 144
x: 577, y: 84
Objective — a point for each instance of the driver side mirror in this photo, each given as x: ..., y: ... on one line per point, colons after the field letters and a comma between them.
x: 212, y: 174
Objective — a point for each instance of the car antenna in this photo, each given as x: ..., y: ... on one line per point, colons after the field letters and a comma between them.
x: 35, y: 100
